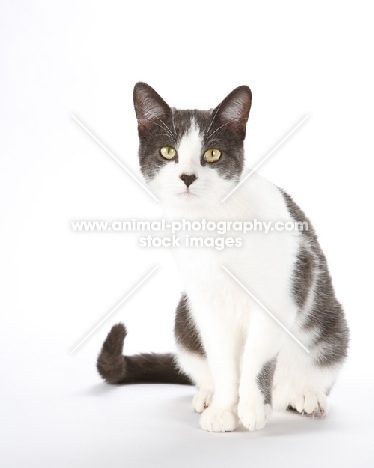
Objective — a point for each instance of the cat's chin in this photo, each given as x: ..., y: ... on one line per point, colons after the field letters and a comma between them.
x: 179, y: 202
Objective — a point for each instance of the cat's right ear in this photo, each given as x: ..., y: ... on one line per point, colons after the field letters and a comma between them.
x: 150, y: 108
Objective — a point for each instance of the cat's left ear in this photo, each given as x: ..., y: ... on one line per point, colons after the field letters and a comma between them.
x: 150, y: 108
x: 234, y: 110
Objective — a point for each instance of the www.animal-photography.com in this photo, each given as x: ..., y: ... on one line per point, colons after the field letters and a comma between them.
x: 186, y: 234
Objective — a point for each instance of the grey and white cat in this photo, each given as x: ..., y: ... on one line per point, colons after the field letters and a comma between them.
x: 241, y: 361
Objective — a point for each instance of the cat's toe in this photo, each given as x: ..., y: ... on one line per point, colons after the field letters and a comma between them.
x: 202, y: 399
x: 253, y: 415
x: 218, y: 420
x: 310, y: 402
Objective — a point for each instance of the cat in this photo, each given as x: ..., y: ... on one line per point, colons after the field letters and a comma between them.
x: 241, y: 361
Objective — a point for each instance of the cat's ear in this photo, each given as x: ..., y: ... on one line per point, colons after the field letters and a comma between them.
x: 234, y: 110
x: 149, y: 106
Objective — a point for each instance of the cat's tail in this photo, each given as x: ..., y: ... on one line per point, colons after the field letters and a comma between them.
x: 141, y: 368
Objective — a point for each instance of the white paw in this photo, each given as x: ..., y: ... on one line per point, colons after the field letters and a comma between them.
x: 202, y: 399
x: 218, y: 420
x: 253, y: 413
x: 310, y: 402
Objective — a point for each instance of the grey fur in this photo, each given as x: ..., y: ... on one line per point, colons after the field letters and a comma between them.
x: 302, y: 276
x: 169, y: 129
x: 186, y: 333
x: 115, y: 368
x: 265, y: 380
x: 326, y: 317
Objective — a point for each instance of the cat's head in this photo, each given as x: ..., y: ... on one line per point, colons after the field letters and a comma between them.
x: 191, y: 158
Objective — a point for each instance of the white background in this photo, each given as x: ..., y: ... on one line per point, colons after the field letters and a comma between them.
x: 84, y: 57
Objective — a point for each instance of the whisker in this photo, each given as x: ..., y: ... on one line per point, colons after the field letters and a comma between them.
x: 163, y: 134
x: 213, y: 117
x: 172, y: 120
x: 158, y: 118
x: 227, y: 206
x: 216, y: 204
x: 163, y: 128
x: 248, y: 209
x: 219, y: 128
x: 154, y: 115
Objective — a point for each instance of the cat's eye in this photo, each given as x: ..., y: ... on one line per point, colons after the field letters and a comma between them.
x: 212, y: 155
x: 168, y: 152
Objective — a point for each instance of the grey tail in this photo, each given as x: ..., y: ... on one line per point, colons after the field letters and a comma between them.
x: 115, y: 368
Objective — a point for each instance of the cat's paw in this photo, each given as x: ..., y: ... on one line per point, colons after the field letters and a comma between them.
x: 310, y: 402
x: 202, y: 399
x: 253, y: 413
x: 218, y: 420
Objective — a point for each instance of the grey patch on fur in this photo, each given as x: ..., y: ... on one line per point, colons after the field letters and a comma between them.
x: 169, y: 129
x: 326, y: 317
x: 302, y: 276
x: 186, y: 333
x: 265, y: 380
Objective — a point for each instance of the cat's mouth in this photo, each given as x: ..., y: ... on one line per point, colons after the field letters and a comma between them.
x: 186, y: 194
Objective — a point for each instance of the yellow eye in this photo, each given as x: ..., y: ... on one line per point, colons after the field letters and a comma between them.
x: 212, y: 155
x: 168, y: 152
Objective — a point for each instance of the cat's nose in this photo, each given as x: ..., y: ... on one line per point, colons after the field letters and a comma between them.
x: 188, y: 178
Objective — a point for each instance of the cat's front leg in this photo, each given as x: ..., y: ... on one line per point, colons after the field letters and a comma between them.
x: 221, y: 345
x: 263, y: 342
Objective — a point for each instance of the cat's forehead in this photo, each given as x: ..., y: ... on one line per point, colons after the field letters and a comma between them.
x: 185, y: 120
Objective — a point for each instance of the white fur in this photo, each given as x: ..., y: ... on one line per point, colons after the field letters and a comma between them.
x: 198, y: 368
x: 238, y: 336
x: 189, y: 146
